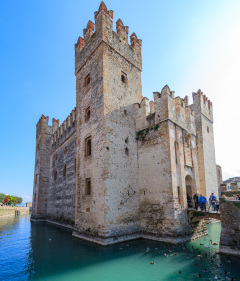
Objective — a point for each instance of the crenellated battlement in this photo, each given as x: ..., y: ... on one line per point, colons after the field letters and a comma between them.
x: 44, y: 128
x: 67, y: 128
x: 165, y: 107
x: 102, y: 31
x: 202, y: 104
x: 88, y: 32
x: 122, y: 31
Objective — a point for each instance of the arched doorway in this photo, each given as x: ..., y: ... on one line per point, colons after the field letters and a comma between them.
x: 189, y: 191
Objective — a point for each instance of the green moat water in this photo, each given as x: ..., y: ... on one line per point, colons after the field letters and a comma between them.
x: 38, y: 251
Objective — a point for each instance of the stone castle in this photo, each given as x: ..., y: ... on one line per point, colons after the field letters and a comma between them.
x: 120, y: 167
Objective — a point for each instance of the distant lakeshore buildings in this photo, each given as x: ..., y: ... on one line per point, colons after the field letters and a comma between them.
x: 120, y: 166
x: 232, y: 180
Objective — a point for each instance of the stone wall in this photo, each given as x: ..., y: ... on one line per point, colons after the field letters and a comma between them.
x: 120, y: 167
x: 203, y: 113
x: 219, y: 179
x: 114, y: 69
x: 42, y: 166
x: 230, y: 233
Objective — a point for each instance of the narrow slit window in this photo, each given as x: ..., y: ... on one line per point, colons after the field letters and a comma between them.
x: 55, y: 175
x: 64, y: 170
x: 124, y: 77
x: 65, y: 149
x: 88, y: 186
x: 87, y: 80
x: 88, y: 147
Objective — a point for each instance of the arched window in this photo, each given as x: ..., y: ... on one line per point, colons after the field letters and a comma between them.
x: 88, y: 186
x: 88, y: 147
x: 124, y: 77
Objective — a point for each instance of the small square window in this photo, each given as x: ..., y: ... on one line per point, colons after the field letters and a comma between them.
x: 87, y: 80
x: 88, y: 186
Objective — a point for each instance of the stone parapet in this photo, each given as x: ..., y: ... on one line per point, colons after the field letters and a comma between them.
x: 230, y: 233
x: 64, y: 131
x: 165, y: 107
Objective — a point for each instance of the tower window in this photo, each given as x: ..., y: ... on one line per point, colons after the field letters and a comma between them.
x: 207, y: 129
x: 64, y: 170
x: 88, y: 186
x: 126, y: 151
x: 87, y: 114
x: 55, y: 175
x: 124, y: 77
x: 36, y: 179
x: 88, y: 147
x: 87, y: 80
x: 56, y: 157
x: 65, y: 149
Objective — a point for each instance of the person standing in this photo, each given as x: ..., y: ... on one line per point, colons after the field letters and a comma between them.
x: 204, y: 202
x: 216, y: 204
x: 213, y: 202
x: 210, y: 202
x: 195, y: 199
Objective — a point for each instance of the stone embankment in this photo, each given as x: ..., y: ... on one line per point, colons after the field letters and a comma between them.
x: 230, y: 234
x: 10, y: 211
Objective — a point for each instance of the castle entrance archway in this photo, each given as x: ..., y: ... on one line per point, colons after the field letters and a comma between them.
x: 189, y: 191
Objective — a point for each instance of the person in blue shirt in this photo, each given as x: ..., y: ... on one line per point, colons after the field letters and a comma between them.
x: 202, y: 202
x: 213, y: 197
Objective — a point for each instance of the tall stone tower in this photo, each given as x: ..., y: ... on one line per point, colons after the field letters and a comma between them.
x: 42, y: 166
x: 202, y: 108
x: 108, y: 83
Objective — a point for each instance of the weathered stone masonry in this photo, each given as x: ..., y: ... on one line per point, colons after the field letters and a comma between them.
x: 120, y: 167
x: 230, y: 233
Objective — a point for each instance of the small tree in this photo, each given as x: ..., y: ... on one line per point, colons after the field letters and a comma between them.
x: 6, y: 200
x: 19, y: 200
x: 2, y: 196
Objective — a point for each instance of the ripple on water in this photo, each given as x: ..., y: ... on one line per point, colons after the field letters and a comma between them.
x: 45, y: 252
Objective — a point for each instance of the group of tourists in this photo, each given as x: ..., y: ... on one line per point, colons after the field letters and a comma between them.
x: 201, y: 201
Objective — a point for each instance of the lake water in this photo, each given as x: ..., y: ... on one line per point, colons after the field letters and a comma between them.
x: 38, y: 251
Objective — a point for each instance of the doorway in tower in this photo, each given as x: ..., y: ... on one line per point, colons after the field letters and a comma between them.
x: 189, y: 191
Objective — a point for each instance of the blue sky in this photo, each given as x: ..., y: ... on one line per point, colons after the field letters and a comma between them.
x: 186, y: 44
